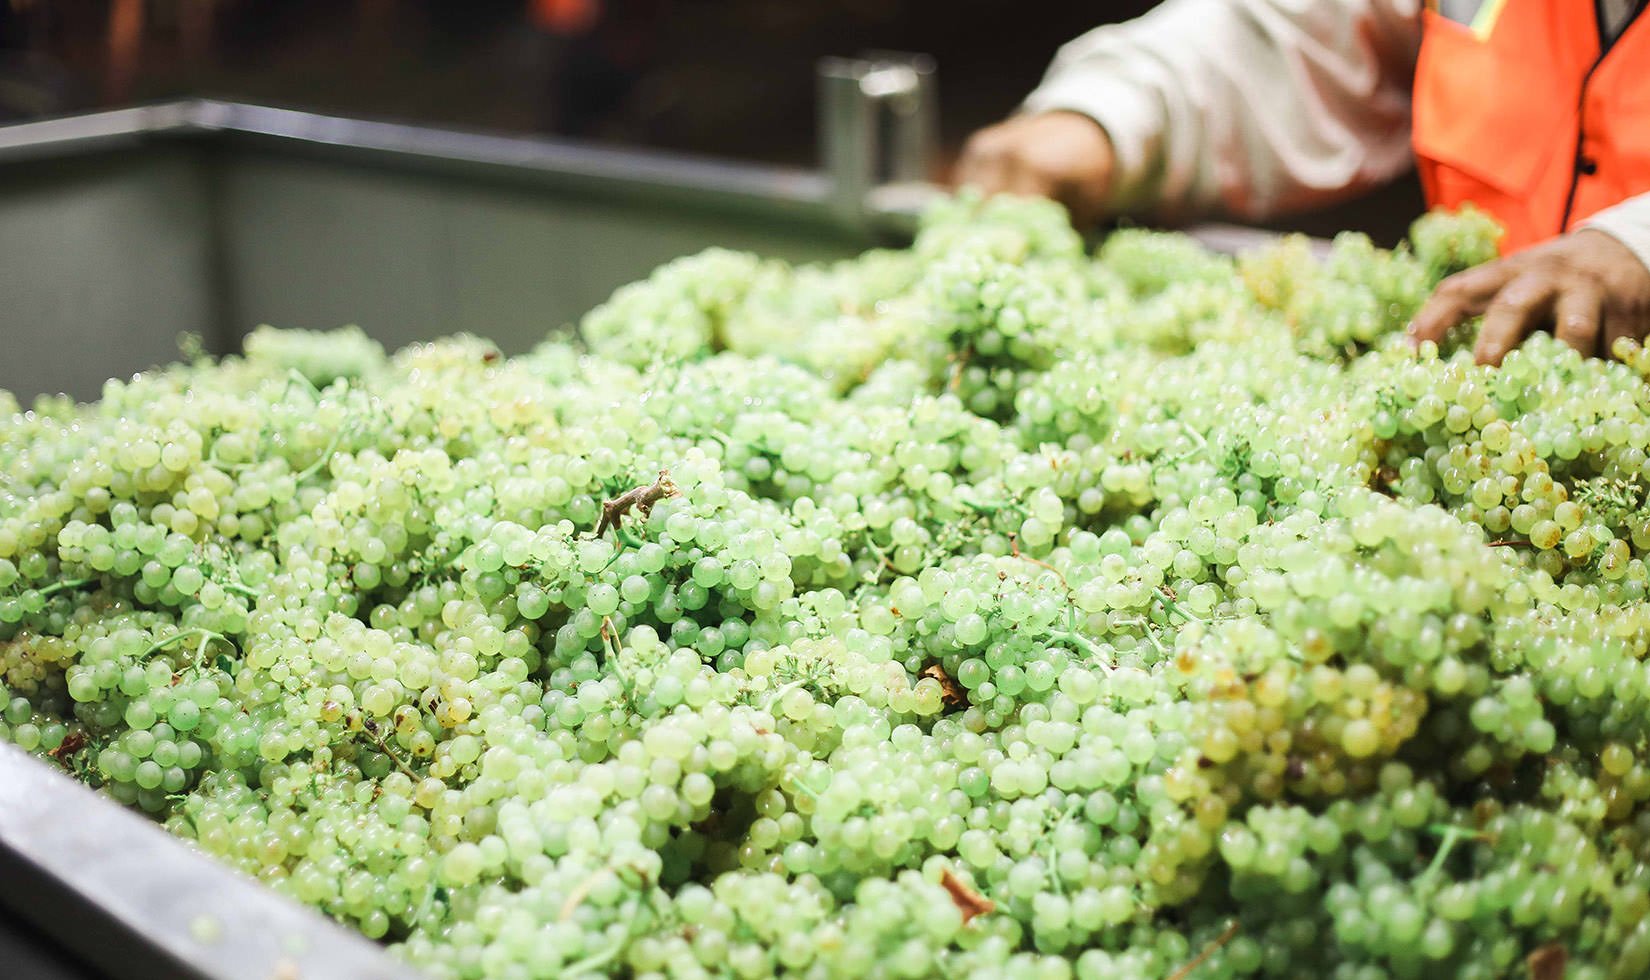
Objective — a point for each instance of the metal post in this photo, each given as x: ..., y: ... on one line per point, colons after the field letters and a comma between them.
x: 876, y: 125
x: 905, y: 84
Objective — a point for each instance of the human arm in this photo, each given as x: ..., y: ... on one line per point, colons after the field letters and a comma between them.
x: 1247, y: 107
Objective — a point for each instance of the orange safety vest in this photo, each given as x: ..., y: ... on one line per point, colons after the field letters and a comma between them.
x: 1527, y: 115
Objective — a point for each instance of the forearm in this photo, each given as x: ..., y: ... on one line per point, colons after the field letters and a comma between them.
x: 1249, y: 107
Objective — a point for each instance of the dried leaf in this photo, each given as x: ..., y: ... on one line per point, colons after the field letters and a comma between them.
x: 72, y: 743
x: 951, y: 692
x: 1548, y: 962
x: 970, y: 902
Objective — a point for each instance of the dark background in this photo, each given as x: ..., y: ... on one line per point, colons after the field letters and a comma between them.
x: 727, y: 78
x: 731, y: 78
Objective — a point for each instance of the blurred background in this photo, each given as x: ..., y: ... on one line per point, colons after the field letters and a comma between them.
x: 115, y: 247
x: 731, y: 78
x: 726, y: 78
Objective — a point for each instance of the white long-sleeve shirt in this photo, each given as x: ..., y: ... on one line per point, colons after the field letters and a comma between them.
x: 1252, y: 108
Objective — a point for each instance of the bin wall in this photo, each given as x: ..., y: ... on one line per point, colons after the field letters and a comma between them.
x: 411, y: 257
x: 104, y: 261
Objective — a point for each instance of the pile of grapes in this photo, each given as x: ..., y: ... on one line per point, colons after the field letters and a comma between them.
x: 984, y: 609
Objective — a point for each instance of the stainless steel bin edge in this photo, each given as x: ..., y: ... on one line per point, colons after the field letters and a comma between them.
x: 120, y: 230
x: 125, y: 895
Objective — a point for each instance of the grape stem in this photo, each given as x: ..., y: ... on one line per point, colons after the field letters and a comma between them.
x: 324, y: 458
x: 992, y: 508
x: 224, y: 464
x: 807, y: 790
x: 1014, y: 546
x: 959, y: 363
x: 882, y: 556
x: 371, y: 728
x: 1195, y: 435
x: 1450, y: 833
x: 57, y: 587
x: 640, y: 499
x: 780, y: 692
x: 612, y: 647
x: 1207, y: 951
x: 206, y: 635
x: 293, y: 374
x: 1045, y: 850
x: 1083, y: 645
x: 1151, y: 637
x: 576, y: 897
x: 625, y: 539
x: 1170, y: 605
x: 594, y: 963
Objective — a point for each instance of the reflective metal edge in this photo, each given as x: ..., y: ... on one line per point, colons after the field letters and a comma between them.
x: 93, y: 131
x: 638, y: 175
x: 644, y: 177
x: 1237, y: 239
x: 127, y: 897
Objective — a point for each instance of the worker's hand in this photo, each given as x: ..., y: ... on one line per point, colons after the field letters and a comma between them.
x: 1587, y: 285
x: 1062, y: 155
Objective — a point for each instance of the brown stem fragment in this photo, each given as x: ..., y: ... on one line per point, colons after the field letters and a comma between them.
x: 1207, y: 951
x: 640, y: 499
x: 1548, y: 962
x: 951, y: 693
x: 970, y: 902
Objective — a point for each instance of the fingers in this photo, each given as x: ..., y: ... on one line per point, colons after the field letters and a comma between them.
x: 1463, y: 295
x: 1059, y: 155
x: 1086, y: 203
x: 1029, y: 182
x: 1578, y: 314
x: 984, y: 163
x: 1615, y: 328
x: 1515, y: 311
x: 994, y: 163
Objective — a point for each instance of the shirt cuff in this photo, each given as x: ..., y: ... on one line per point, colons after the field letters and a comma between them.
x: 1628, y: 223
x: 1133, y: 118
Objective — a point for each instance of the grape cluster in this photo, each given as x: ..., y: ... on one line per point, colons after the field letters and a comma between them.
x: 979, y: 609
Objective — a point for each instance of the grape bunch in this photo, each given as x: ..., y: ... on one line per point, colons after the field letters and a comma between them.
x: 988, y: 608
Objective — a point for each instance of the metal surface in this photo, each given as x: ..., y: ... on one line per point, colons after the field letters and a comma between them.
x: 121, y: 893
x: 121, y: 230
x: 643, y: 176
x: 877, y: 128
x: 97, y: 131
x: 27, y: 952
x: 104, y: 259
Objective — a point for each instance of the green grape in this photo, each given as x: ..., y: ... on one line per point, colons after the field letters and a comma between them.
x: 1008, y: 612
